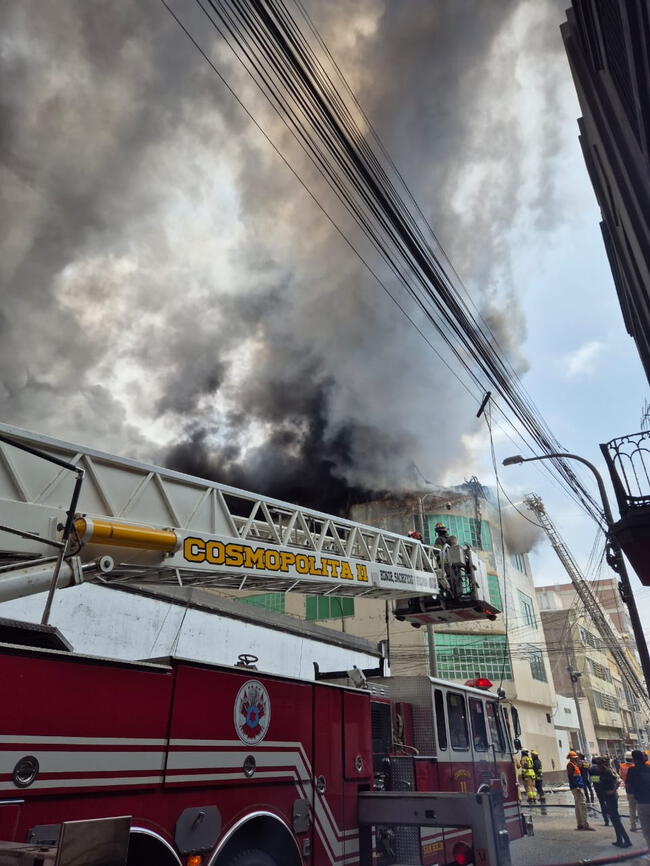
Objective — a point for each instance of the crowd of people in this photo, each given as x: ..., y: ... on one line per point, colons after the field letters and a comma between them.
x: 599, y: 779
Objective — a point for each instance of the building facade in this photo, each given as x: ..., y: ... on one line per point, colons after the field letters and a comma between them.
x: 607, y: 46
x: 608, y: 706
x: 509, y: 651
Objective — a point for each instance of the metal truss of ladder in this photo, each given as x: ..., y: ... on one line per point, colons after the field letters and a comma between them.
x: 161, y: 526
x: 610, y: 639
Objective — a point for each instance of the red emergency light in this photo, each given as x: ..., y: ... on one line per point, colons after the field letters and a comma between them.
x: 462, y: 854
x: 480, y: 683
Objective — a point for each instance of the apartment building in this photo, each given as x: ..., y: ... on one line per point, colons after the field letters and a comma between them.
x: 608, y: 706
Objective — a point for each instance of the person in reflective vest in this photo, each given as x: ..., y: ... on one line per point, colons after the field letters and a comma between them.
x: 539, y: 779
x: 584, y: 769
x: 577, y: 788
x: 594, y: 774
x: 631, y: 801
x: 528, y: 777
x: 609, y: 783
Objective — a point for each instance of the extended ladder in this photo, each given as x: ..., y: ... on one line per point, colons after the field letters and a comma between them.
x: 138, y: 523
x: 610, y: 639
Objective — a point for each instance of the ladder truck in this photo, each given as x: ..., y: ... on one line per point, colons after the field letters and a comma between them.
x: 173, y: 761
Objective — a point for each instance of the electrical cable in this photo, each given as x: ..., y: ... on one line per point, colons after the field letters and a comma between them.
x: 265, y: 36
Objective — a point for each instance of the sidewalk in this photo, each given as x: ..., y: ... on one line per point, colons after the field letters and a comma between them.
x: 557, y: 841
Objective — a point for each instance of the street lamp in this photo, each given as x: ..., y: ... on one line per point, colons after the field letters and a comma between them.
x: 617, y: 562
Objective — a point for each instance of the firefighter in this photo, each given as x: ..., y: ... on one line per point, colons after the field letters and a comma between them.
x: 528, y: 777
x: 609, y: 783
x: 631, y: 802
x: 539, y: 779
x: 442, y: 535
x: 594, y: 773
x: 577, y: 788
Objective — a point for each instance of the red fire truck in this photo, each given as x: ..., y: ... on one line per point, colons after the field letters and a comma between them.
x: 205, y: 764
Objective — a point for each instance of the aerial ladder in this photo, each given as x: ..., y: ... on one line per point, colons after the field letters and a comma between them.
x: 610, y: 639
x: 71, y: 514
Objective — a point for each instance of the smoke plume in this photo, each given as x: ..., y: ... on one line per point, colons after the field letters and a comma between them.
x: 169, y: 290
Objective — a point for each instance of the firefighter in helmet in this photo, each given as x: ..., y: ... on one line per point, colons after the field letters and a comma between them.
x: 528, y: 777
x: 442, y: 535
x: 539, y: 779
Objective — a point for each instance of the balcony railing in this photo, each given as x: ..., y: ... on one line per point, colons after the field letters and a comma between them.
x: 628, y: 461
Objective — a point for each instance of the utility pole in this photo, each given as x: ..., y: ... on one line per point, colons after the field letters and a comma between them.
x: 574, y: 676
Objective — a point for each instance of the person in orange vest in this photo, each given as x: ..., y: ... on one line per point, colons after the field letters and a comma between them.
x: 631, y: 801
x: 577, y: 788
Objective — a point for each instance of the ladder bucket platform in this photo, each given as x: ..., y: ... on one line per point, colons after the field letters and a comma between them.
x: 431, y: 609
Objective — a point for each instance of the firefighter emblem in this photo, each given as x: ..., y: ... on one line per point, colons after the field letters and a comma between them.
x: 252, y: 712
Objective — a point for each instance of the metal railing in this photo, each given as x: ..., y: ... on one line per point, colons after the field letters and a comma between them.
x: 628, y: 461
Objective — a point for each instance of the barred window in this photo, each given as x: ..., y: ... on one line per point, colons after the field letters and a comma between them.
x: 606, y: 702
x: 588, y: 638
x: 537, y: 669
x: 600, y: 671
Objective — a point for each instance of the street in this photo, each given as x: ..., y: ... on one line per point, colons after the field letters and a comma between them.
x: 557, y: 841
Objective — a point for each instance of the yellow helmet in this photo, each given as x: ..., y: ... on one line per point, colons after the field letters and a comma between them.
x: 572, y: 754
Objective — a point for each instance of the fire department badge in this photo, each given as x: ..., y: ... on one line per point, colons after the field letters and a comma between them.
x: 252, y: 712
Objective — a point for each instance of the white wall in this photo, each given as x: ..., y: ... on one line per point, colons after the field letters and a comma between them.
x: 107, y: 622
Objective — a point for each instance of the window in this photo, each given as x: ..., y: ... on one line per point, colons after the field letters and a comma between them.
x: 527, y: 609
x: 495, y: 591
x: 440, y: 720
x: 465, y: 656
x: 606, y: 702
x: 588, y: 638
x: 600, y: 671
x: 457, y: 721
x: 479, y: 731
x: 517, y: 561
x: 328, y: 607
x: 268, y: 600
x: 537, y: 669
x: 468, y: 530
x: 495, y: 726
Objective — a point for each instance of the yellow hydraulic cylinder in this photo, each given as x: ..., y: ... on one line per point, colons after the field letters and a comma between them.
x: 97, y: 531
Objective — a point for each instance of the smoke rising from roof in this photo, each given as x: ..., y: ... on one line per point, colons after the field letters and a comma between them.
x: 170, y: 291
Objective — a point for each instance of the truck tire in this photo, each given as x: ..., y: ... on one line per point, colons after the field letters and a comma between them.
x: 251, y: 857
x: 147, y: 851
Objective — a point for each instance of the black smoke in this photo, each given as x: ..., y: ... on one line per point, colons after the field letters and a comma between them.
x: 170, y: 292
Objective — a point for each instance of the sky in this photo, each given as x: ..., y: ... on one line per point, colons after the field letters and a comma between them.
x: 171, y: 293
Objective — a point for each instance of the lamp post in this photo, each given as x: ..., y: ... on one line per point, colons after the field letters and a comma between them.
x: 616, y: 561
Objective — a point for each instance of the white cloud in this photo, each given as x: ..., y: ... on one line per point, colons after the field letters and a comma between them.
x: 583, y: 361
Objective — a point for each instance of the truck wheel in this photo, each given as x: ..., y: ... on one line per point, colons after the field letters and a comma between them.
x: 147, y: 851
x: 251, y: 857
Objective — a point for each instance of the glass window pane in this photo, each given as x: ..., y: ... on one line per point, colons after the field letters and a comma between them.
x: 465, y: 656
x: 268, y: 600
x: 495, y: 727
x: 457, y: 721
x: 495, y: 591
x: 328, y: 607
x: 441, y: 728
x: 479, y: 731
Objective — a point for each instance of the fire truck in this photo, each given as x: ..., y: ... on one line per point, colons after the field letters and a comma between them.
x: 175, y: 761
